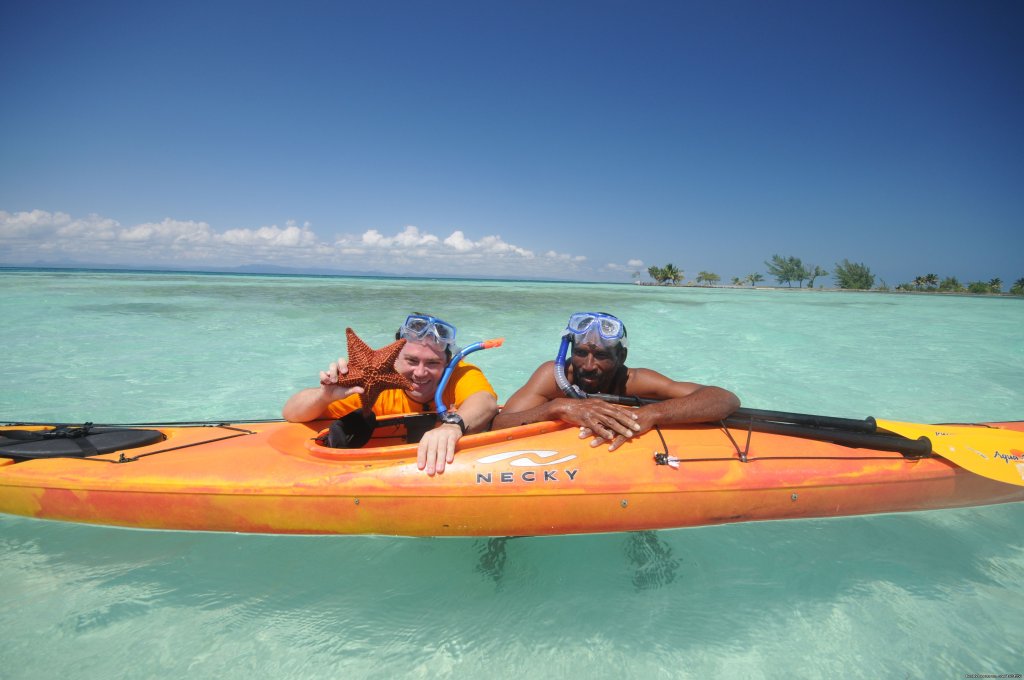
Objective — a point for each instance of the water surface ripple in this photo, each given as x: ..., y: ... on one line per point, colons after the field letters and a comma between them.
x: 934, y: 594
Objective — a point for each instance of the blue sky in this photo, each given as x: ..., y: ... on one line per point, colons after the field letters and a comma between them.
x: 579, y: 140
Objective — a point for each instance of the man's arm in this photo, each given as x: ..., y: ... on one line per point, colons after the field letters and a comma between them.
x: 437, y: 447
x: 311, y: 403
x: 541, y: 399
x: 678, y: 403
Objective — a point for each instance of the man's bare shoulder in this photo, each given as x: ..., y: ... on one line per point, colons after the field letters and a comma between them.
x: 542, y: 381
x: 646, y: 382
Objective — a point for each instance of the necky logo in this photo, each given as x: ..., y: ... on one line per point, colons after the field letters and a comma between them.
x: 526, y: 459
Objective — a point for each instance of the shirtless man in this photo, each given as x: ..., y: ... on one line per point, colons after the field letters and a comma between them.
x: 599, y: 347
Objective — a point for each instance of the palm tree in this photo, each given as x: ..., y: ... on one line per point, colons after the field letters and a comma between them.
x: 672, y: 273
x: 931, y: 281
x: 1018, y: 287
x: 996, y: 285
x: 919, y: 282
x: 754, y: 278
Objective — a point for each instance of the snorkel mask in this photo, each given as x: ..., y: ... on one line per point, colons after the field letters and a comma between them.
x: 596, y: 328
x: 426, y: 328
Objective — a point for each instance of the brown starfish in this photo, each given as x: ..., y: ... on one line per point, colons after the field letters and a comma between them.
x: 372, y: 369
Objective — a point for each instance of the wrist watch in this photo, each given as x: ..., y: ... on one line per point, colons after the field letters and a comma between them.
x: 453, y: 418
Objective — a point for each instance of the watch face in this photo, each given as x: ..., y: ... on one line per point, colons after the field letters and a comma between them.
x: 454, y: 419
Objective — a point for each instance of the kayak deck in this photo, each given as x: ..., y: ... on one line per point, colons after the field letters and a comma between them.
x: 538, y: 479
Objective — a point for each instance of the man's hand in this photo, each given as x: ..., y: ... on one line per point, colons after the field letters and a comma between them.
x: 602, y: 421
x: 641, y: 424
x: 437, y: 448
x: 335, y: 372
x: 312, y: 402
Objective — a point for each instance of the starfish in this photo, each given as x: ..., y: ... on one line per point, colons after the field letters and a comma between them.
x: 372, y: 369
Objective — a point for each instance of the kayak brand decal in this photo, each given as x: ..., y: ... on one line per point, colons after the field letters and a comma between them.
x: 1013, y: 456
x: 527, y: 458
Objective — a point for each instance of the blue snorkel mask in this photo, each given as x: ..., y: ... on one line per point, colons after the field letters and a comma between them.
x: 587, y: 327
x: 426, y: 328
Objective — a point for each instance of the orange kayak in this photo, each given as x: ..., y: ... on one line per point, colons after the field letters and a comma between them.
x: 539, y: 479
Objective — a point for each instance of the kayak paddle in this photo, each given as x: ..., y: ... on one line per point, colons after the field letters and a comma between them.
x: 986, y: 451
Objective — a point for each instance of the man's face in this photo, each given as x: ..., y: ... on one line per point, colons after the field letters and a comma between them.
x: 423, y: 363
x: 594, y: 366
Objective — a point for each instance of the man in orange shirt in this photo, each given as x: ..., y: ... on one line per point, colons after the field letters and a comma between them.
x: 472, y: 402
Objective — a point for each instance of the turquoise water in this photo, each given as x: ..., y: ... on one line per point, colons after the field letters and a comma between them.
x: 936, y: 594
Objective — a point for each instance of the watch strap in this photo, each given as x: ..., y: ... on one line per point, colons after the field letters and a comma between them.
x: 452, y: 418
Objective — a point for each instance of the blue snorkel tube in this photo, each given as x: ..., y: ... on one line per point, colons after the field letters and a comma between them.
x: 570, y: 390
x: 476, y: 346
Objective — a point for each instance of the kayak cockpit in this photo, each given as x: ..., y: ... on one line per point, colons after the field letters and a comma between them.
x: 398, y: 436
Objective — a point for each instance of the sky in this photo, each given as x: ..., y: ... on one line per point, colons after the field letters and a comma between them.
x: 558, y: 140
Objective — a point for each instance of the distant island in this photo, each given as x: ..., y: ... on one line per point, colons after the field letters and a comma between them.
x: 848, y: 276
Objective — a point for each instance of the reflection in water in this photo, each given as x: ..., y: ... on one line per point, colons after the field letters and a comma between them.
x: 652, y: 557
x: 492, y: 558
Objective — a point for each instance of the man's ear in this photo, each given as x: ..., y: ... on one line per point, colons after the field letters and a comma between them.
x: 623, y: 351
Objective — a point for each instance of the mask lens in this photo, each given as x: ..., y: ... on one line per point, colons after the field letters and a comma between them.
x: 579, y: 323
x: 444, y: 331
x: 416, y: 325
x: 610, y: 329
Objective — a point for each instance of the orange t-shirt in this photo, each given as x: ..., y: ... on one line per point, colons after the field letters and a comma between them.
x: 465, y: 380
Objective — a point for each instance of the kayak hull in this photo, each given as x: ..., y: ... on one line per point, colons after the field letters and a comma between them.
x: 540, y: 479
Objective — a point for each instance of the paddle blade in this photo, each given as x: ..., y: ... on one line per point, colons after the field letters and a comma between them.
x: 986, y: 451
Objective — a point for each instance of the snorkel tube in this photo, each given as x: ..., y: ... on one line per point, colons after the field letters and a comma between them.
x: 443, y: 382
x: 570, y: 390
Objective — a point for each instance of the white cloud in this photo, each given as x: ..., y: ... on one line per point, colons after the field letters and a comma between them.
x: 32, y: 236
x: 59, y: 233
x: 411, y: 241
x: 410, y: 237
x: 494, y: 245
x: 292, y: 236
x: 631, y: 266
x: 168, y: 232
x: 458, y: 241
x: 25, y: 223
x: 40, y: 223
x: 565, y: 257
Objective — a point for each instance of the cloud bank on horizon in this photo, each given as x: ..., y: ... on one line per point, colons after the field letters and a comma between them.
x: 43, y: 237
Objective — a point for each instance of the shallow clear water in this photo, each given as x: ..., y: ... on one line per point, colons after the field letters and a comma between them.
x: 934, y: 594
